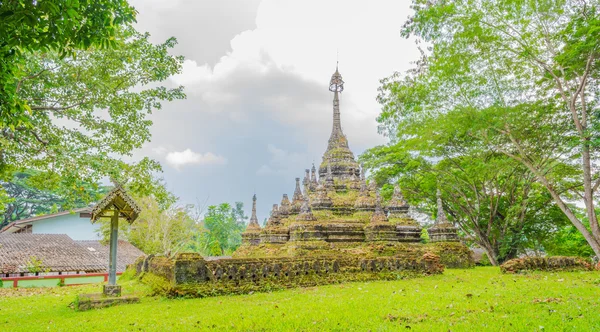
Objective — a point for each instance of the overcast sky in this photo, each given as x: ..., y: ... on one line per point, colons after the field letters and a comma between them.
x: 258, y: 110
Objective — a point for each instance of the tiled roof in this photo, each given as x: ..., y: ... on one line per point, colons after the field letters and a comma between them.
x: 126, y: 253
x: 54, y: 252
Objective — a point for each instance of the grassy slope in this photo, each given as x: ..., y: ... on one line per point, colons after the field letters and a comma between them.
x: 554, y: 301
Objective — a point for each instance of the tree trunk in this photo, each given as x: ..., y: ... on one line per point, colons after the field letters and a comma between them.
x: 490, y: 251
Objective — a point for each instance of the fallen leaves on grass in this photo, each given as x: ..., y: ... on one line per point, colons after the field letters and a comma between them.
x: 548, y: 300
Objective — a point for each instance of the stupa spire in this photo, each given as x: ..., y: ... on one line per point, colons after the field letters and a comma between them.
x: 253, y: 224
x: 441, y: 215
x: 313, y: 178
x: 253, y: 218
x: 338, y: 151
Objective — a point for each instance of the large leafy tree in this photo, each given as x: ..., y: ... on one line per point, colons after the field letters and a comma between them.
x: 519, y: 78
x: 60, y: 26
x: 87, y: 112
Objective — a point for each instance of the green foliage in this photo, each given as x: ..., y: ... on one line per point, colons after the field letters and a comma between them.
x: 35, y: 265
x: 157, y: 231
x: 28, y: 200
x: 500, y: 114
x: 460, y: 300
x: 567, y: 241
x: 224, y: 226
x: 88, y: 111
x: 485, y: 260
x: 52, y: 26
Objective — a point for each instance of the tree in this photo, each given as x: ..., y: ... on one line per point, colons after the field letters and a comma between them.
x: 89, y: 110
x: 59, y: 26
x: 493, y: 200
x: 158, y: 231
x: 26, y: 200
x: 519, y: 78
x: 223, y: 228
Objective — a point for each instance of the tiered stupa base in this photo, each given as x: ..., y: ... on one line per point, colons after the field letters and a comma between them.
x: 251, y: 237
x: 381, y: 232
x: 408, y: 233
x: 443, y: 233
x: 274, y: 235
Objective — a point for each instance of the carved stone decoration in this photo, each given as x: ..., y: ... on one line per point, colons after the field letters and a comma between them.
x: 442, y: 230
x: 322, y: 201
x: 305, y: 213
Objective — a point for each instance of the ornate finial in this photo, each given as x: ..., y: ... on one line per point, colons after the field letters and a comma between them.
x: 379, y: 215
x: 336, y: 84
x: 441, y: 215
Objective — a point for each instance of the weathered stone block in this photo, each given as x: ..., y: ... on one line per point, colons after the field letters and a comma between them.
x: 97, y: 301
x: 443, y: 233
x: 111, y: 290
x: 380, y: 232
x: 408, y: 233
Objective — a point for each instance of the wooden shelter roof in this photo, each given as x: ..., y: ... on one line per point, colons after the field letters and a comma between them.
x: 117, y: 199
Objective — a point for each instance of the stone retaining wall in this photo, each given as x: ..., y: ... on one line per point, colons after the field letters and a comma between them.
x: 191, y: 275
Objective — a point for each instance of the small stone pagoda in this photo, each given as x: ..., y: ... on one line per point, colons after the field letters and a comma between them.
x: 442, y: 230
x: 338, y: 212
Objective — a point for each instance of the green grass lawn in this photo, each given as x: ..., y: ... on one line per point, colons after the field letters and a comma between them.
x: 460, y: 300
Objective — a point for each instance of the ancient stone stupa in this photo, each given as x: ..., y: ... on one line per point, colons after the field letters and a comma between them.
x: 338, y: 213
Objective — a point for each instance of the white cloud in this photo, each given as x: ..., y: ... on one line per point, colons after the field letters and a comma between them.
x: 188, y: 157
x: 301, y: 39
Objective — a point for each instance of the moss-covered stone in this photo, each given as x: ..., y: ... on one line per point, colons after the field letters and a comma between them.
x: 191, y: 275
x: 556, y: 263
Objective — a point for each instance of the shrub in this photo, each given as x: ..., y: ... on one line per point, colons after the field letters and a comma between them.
x: 556, y: 263
x: 485, y: 260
